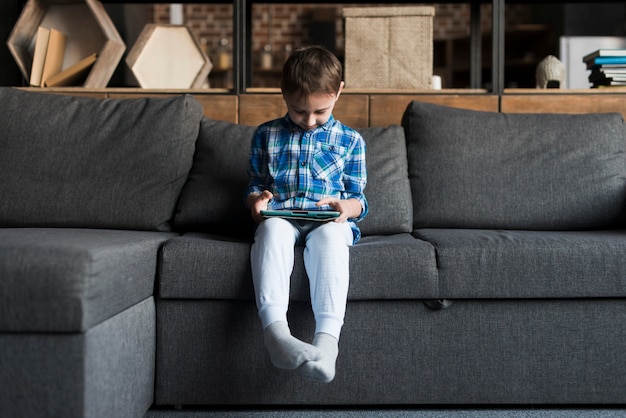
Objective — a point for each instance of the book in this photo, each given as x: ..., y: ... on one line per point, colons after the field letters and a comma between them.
x: 598, y: 61
x: 600, y: 74
x: 54, y: 55
x: 610, y: 70
x: 601, y: 78
x: 598, y: 77
x: 605, y: 53
x: 39, y: 55
x: 73, y: 74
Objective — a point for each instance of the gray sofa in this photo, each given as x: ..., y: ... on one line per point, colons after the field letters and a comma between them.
x: 491, y: 269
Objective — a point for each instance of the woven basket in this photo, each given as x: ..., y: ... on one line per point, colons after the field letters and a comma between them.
x: 389, y: 47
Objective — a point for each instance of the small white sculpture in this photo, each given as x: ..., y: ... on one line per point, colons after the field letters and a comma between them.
x: 550, y: 73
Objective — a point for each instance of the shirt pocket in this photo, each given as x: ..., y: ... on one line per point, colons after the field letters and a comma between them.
x: 328, y: 162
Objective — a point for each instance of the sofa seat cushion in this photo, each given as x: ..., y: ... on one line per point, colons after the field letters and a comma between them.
x: 488, y: 170
x: 202, y: 266
x: 529, y: 264
x: 212, y: 199
x: 68, y: 280
x: 80, y: 162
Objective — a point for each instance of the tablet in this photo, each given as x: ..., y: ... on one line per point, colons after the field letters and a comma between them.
x: 305, y: 215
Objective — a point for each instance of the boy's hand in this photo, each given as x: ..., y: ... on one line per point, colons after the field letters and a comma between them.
x: 348, y: 208
x: 258, y: 202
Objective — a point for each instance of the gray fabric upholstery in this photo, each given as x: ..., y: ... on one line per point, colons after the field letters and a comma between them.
x: 95, y: 164
x: 213, y: 197
x: 531, y: 316
x: 392, y: 267
x: 391, y: 353
x: 106, y: 372
x: 68, y: 280
x: 388, y: 191
x: 393, y: 411
x: 381, y: 267
x: 529, y: 264
x: 471, y: 169
x: 193, y: 267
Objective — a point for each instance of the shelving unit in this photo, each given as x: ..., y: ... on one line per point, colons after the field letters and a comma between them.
x: 88, y: 29
x: 479, y: 63
x: 168, y: 56
x: 242, y: 24
x: 242, y: 53
x: 379, y: 108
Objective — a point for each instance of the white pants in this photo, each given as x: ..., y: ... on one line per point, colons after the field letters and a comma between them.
x: 326, y: 260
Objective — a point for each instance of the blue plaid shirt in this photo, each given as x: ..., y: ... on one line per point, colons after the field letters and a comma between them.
x: 302, y: 167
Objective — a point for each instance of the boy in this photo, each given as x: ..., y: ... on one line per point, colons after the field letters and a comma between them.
x: 306, y: 160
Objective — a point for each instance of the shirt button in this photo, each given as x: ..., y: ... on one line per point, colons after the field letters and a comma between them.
x: 303, y: 164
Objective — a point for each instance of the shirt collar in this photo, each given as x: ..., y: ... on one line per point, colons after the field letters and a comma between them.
x: 329, y: 123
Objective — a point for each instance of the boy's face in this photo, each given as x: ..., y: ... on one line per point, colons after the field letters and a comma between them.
x: 309, y: 112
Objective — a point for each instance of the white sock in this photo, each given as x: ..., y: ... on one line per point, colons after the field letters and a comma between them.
x: 322, y: 370
x: 285, y: 350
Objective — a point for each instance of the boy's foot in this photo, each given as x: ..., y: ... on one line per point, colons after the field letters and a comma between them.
x: 322, y: 370
x: 285, y: 350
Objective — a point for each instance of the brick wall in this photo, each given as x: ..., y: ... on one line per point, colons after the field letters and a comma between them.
x: 288, y: 25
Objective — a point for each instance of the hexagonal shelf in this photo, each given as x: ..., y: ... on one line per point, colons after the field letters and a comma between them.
x: 168, y: 56
x: 88, y: 28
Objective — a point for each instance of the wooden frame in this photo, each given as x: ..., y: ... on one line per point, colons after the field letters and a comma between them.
x: 88, y: 28
x: 168, y: 57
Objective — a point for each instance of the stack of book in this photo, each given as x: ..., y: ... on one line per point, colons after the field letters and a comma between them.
x: 48, y: 58
x: 607, y: 66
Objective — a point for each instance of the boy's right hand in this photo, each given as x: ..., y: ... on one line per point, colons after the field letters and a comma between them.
x: 258, y: 202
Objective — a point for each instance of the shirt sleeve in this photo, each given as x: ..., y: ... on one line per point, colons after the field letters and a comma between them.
x: 258, y: 164
x: 355, y: 175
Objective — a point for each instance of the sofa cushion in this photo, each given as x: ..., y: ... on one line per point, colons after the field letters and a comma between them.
x: 203, y: 266
x: 70, y: 161
x: 388, y: 191
x: 472, y: 169
x: 492, y: 264
x: 106, y: 372
x: 212, y: 200
x: 68, y: 280
x: 213, y: 196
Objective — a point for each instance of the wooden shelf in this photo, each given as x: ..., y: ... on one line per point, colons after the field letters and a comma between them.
x: 486, y: 51
x: 358, y: 108
x: 367, y: 108
x: 381, y: 91
x: 168, y: 56
x: 558, y: 92
x: 88, y: 29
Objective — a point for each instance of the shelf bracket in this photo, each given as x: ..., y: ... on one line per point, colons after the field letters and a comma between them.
x: 497, y: 19
x: 475, y: 46
x: 241, y: 16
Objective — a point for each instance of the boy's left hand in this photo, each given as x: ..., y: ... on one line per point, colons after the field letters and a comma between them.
x: 348, y: 208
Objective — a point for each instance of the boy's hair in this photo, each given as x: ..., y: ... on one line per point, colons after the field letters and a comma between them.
x: 311, y: 70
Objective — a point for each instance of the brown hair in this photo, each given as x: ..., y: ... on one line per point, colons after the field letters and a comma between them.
x: 310, y: 70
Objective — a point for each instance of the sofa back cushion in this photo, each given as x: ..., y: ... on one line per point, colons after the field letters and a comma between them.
x: 70, y: 161
x: 473, y: 169
x: 388, y: 191
x: 212, y: 200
